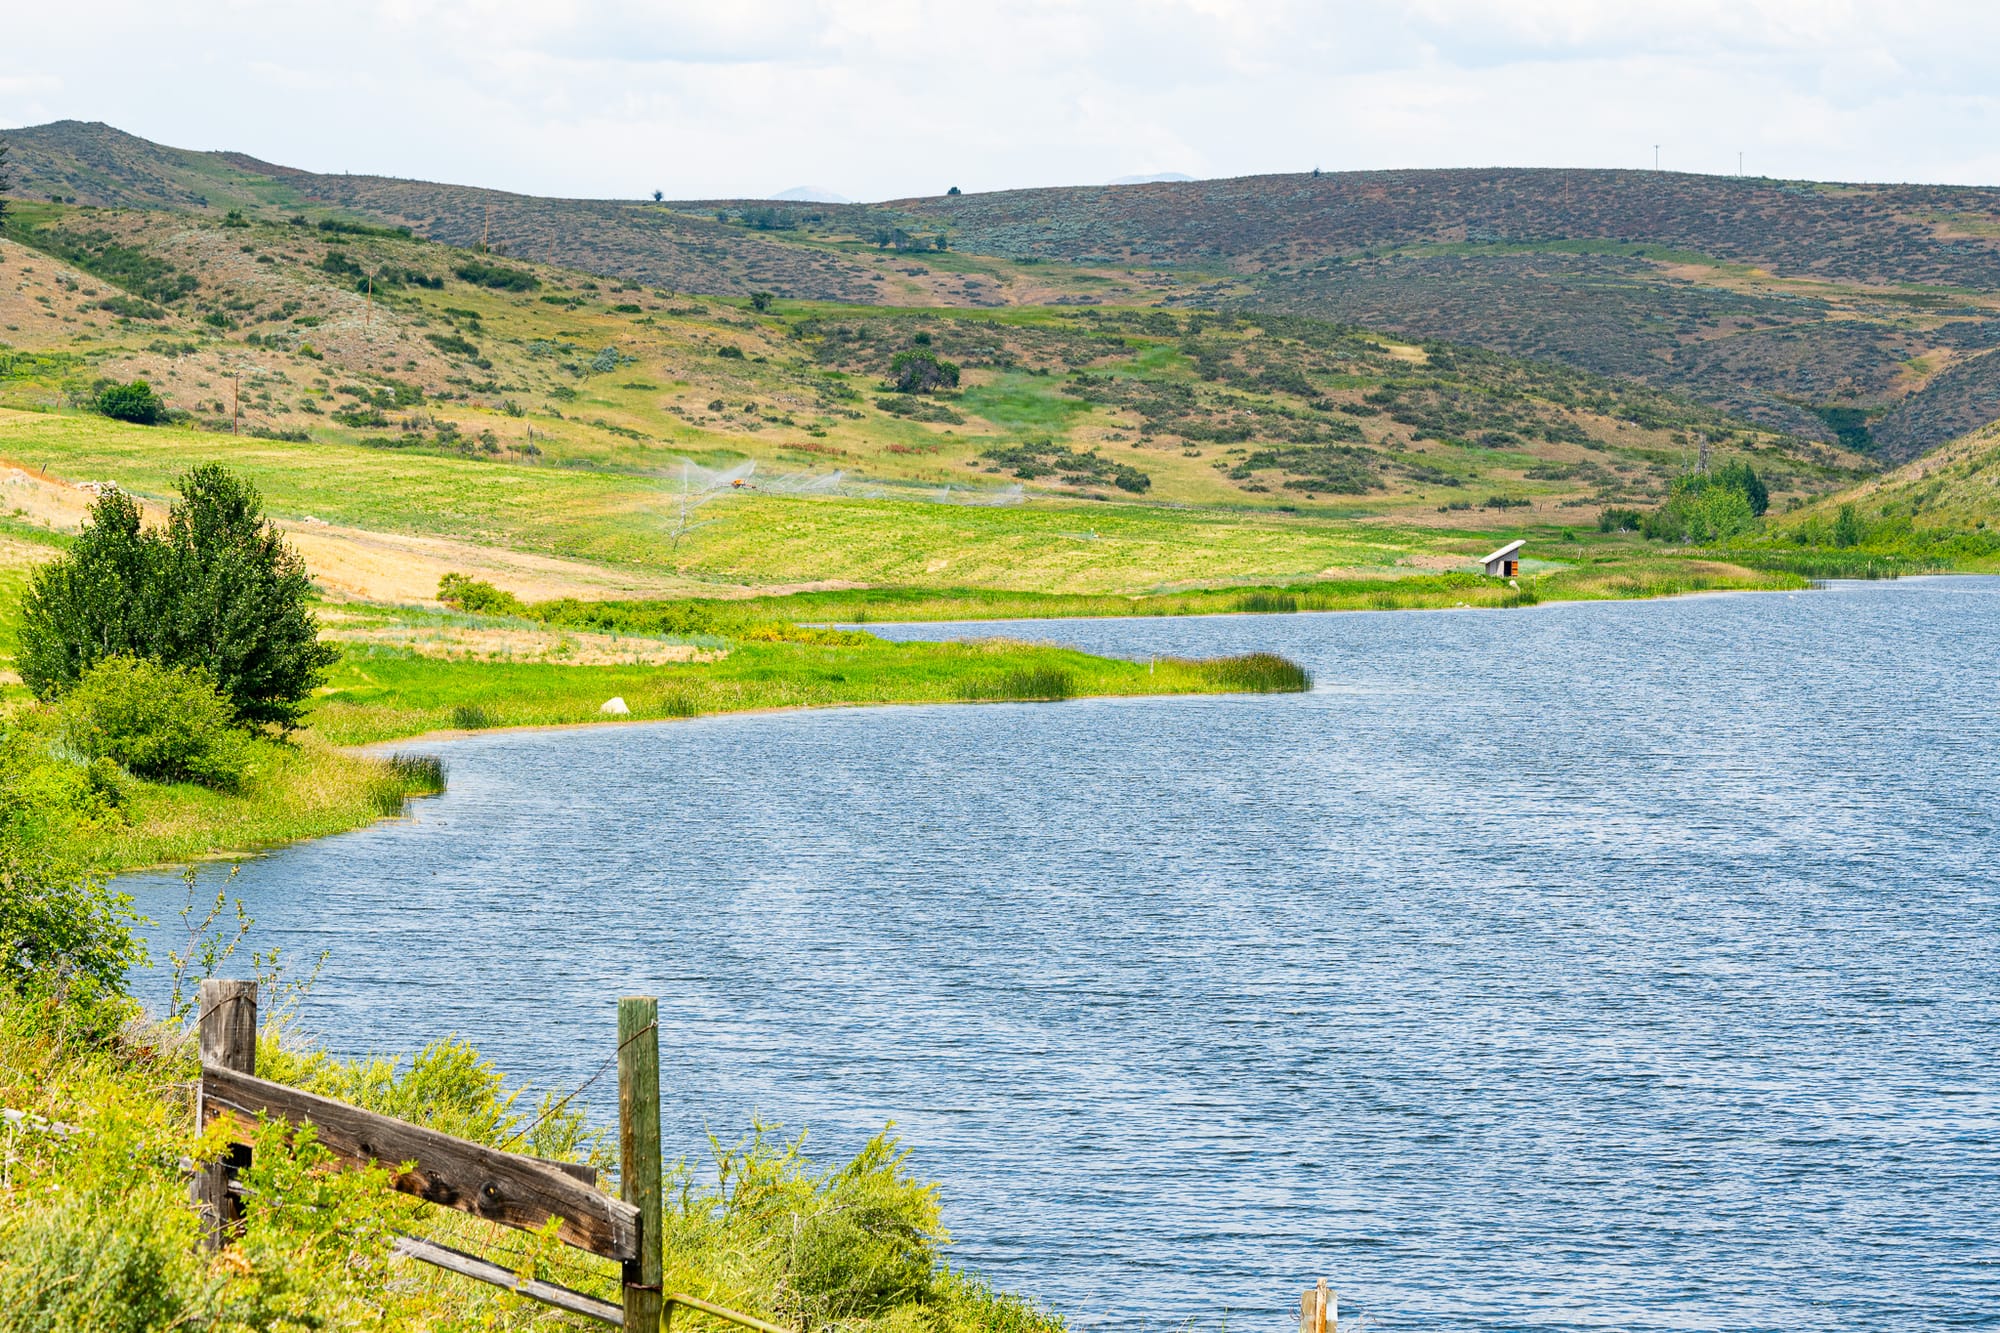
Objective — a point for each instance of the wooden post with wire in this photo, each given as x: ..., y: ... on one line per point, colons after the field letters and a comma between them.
x: 227, y: 1013
x: 639, y: 1153
x: 1319, y: 1310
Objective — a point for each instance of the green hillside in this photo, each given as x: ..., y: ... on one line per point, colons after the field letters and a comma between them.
x: 1858, y: 313
x: 592, y: 404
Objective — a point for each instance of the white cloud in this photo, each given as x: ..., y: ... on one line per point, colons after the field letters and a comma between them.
x: 878, y: 98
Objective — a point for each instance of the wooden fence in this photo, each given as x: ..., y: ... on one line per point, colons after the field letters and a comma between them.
x: 509, y: 1189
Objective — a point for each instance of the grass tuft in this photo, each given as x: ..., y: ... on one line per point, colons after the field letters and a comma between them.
x: 1023, y: 683
x: 1267, y: 603
x: 1254, y: 673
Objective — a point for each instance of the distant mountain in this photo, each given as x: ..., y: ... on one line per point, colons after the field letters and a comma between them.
x: 1867, y: 313
x: 811, y: 194
x: 1154, y: 179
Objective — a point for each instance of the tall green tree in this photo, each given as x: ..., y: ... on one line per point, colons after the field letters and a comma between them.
x: 6, y: 181
x: 217, y: 588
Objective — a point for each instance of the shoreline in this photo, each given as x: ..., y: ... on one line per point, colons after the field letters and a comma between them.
x: 382, y: 748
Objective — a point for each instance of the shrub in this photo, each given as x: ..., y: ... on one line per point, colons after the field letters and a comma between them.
x: 1620, y: 520
x: 160, y: 722
x: 1702, y: 508
x: 131, y: 307
x: 478, y: 597
x: 497, y: 276
x: 63, y: 934
x: 135, y: 402
x: 216, y: 588
x: 451, y: 344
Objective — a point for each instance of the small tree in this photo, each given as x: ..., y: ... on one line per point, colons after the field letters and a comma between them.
x: 1848, y: 530
x: 6, y: 181
x: 216, y: 588
x: 760, y: 301
x: 918, y: 370
x: 658, y: 196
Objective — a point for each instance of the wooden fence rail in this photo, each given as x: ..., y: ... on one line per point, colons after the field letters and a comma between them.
x: 510, y: 1189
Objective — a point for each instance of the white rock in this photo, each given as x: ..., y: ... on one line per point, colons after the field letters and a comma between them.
x: 615, y: 706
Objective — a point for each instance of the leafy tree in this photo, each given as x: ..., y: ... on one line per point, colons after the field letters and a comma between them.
x: 135, y: 402
x: 918, y: 370
x: 1741, y: 476
x: 658, y: 196
x: 952, y: 191
x: 217, y: 588
x: 1847, y: 527
x: 760, y: 301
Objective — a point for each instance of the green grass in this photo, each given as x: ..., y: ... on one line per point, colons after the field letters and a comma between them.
x: 382, y: 694
x: 297, y: 789
x: 1025, y: 404
x: 623, y: 519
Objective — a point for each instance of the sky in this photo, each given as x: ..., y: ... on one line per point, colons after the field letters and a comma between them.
x: 878, y: 99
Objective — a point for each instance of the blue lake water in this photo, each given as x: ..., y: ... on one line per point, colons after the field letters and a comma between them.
x: 1591, y: 966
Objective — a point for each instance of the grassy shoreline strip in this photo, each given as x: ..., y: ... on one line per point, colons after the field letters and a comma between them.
x: 378, y: 695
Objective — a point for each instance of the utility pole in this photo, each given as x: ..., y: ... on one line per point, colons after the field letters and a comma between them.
x: 486, y: 230
x: 1703, y: 437
x: 1739, y: 163
x: 368, y: 313
x: 236, y: 411
x: 1656, y: 157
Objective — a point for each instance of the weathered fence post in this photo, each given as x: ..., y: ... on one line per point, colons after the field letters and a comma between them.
x: 639, y: 1153
x: 227, y: 1014
x: 1319, y: 1310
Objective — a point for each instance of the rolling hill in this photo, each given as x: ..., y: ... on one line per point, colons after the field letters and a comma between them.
x: 1865, y: 313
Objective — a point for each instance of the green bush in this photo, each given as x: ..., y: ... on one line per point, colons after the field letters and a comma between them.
x: 103, y: 1262
x: 135, y: 402
x: 478, y: 597
x: 63, y: 934
x: 1702, y: 509
x: 497, y: 276
x: 217, y: 587
x: 169, y: 724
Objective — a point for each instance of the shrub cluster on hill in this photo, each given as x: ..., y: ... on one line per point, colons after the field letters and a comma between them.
x: 1048, y: 459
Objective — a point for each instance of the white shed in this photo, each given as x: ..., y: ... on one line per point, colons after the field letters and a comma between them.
x: 1505, y: 563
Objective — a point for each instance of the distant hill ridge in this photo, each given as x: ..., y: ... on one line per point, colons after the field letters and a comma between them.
x: 1868, y: 312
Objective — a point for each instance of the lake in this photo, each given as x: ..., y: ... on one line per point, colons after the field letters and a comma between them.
x: 1601, y: 965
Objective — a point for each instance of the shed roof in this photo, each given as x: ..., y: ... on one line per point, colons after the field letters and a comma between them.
x: 1504, y: 552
